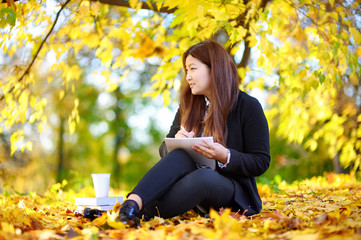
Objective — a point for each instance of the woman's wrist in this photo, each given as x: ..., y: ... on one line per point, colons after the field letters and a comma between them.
x: 224, y: 157
x: 228, y: 157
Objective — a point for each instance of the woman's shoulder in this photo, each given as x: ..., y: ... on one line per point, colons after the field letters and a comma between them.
x: 245, y: 99
x: 247, y: 107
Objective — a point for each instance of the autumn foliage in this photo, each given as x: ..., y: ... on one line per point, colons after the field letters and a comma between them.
x: 306, y: 55
x: 58, y: 58
x: 317, y: 208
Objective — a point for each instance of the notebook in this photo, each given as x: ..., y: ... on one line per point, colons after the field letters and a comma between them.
x: 94, y: 201
x: 186, y: 144
x: 81, y: 208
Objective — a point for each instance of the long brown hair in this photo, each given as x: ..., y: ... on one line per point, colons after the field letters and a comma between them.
x: 224, y: 80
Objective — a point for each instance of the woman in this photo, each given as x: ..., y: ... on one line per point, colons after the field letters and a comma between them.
x: 211, y: 104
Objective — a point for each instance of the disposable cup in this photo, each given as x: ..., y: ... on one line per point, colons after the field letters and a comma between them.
x: 101, y: 184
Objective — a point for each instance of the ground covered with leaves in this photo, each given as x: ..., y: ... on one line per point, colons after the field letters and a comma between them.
x: 317, y: 208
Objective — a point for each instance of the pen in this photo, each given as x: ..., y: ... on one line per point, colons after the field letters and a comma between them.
x: 189, y: 134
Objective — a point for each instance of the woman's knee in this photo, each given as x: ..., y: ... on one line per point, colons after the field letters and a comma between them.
x: 201, y: 178
x: 209, y: 181
x: 179, y: 156
x: 178, y: 153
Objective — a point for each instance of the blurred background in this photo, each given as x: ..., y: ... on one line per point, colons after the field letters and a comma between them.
x: 103, y: 90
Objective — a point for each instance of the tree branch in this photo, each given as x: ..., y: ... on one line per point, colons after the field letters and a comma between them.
x: 148, y: 6
x: 39, y: 49
x: 247, y: 49
x: 123, y: 3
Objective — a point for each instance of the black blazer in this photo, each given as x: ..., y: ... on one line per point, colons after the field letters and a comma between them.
x: 248, y: 142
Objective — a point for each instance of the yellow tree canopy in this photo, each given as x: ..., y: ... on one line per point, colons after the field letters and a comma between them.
x: 311, y: 51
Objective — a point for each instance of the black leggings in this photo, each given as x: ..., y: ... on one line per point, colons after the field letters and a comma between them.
x: 175, y: 185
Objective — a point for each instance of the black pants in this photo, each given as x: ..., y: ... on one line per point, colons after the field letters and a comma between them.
x: 175, y: 185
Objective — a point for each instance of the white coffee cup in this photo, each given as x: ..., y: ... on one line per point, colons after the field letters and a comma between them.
x: 101, y: 184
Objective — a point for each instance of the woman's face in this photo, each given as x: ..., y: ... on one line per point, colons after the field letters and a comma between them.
x: 198, y: 76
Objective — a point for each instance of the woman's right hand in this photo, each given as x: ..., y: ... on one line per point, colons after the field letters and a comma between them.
x: 182, y: 133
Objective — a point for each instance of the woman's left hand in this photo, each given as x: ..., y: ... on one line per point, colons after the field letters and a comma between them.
x: 211, y: 150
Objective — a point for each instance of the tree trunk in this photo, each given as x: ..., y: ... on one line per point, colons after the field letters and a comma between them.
x: 337, y: 168
x: 60, y: 171
x: 116, y: 170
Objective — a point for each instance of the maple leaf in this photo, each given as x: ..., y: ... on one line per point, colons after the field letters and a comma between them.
x: 112, y: 219
x: 317, y: 208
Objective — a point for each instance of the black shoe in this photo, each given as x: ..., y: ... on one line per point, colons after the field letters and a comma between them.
x: 91, y: 213
x: 129, y: 213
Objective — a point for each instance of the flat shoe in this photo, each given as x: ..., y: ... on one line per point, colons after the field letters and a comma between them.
x: 129, y: 214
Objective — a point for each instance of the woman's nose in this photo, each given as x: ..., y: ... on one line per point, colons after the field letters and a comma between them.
x: 188, y: 76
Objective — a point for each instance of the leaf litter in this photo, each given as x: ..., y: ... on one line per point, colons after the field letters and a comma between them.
x: 322, y: 207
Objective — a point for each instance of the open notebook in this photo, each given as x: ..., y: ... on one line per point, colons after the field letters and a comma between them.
x: 186, y: 144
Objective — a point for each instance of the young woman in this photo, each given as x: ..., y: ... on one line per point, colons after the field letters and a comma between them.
x: 211, y: 104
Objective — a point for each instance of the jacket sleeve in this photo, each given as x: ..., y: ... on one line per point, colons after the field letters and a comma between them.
x: 250, y: 151
x: 172, y: 132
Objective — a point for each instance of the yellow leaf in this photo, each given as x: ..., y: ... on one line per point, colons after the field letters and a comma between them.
x: 159, y: 4
x: 356, y: 35
x: 199, y: 11
x: 95, y: 8
x: 139, y: 5
x: 133, y: 3
x: 7, y: 228
x: 221, y: 221
x: 358, y: 52
x: 311, y: 144
x: 112, y: 220
x: 76, y: 103
x: 166, y: 97
x: 100, y: 220
x: 72, y: 126
x: 257, y: 83
x: 29, y: 146
x: 12, y: 50
x: 61, y: 94
x: 14, y: 138
x: 111, y: 86
x: 84, y: 8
